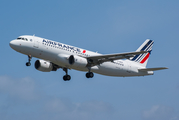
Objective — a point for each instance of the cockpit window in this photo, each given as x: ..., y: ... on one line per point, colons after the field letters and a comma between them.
x: 21, y: 38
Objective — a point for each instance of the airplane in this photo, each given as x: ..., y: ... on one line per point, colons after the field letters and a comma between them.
x: 54, y: 55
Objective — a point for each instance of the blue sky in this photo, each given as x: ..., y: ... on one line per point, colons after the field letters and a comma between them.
x: 104, y: 26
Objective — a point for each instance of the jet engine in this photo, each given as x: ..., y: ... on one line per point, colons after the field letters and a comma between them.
x: 44, y: 66
x: 77, y: 61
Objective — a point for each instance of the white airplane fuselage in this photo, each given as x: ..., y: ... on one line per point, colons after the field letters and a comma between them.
x: 58, y: 54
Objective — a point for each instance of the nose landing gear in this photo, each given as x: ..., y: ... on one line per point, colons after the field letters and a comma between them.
x: 29, y: 59
x: 66, y: 77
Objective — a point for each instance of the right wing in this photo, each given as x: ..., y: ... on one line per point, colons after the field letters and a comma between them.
x: 99, y: 59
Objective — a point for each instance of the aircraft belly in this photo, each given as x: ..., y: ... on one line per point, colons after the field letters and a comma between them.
x: 109, y: 69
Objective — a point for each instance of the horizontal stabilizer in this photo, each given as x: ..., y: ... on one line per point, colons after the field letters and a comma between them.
x: 153, y: 69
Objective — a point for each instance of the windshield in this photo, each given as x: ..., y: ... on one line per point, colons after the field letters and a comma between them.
x: 21, y: 38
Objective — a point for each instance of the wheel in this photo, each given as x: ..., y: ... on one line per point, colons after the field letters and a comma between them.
x: 28, y: 64
x: 89, y: 75
x: 66, y: 77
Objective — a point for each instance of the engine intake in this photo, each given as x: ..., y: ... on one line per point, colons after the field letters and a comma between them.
x: 77, y: 61
x: 44, y: 66
x: 71, y: 60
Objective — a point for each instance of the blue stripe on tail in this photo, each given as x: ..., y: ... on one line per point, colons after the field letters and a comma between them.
x: 143, y: 55
x: 147, y: 47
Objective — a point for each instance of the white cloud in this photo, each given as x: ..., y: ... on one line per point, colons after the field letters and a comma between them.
x: 158, y: 112
x: 20, y: 88
x: 23, y: 100
x: 65, y: 109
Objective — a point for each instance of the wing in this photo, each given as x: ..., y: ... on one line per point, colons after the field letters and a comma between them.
x: 152, y: 69
x: 99, y: 59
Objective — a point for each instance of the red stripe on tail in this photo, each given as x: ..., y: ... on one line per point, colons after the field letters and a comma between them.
x: 145, y: 58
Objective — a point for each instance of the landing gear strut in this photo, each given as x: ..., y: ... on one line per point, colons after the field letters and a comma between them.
x: 89, y: 74
x: 66, y: 77
x: 29, y: 59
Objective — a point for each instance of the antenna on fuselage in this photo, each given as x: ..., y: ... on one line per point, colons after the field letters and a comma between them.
x: 33, y: 34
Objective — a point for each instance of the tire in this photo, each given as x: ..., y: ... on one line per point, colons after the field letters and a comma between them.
x: 91, y: 75
x: 87, y: 75
x: 28, y: 64
x: 66, y: 77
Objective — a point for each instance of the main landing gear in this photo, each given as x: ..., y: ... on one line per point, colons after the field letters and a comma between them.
x: 66, y: 77
x: 29, y: 59
x: 89, y: 74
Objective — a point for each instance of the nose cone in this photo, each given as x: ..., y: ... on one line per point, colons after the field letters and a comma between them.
x: 12, y: 44
x: 15, y: 44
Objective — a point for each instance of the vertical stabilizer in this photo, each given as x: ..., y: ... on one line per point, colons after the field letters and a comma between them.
x: 142, y: 59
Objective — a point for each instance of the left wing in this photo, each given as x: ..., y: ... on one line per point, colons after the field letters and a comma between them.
x: 98, y: 59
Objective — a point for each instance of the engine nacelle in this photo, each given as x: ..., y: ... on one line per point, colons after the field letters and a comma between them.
x: 77, y: 61
x: 44, y: 66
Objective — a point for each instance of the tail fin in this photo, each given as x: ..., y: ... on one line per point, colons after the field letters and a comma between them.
x: 142, y: 59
